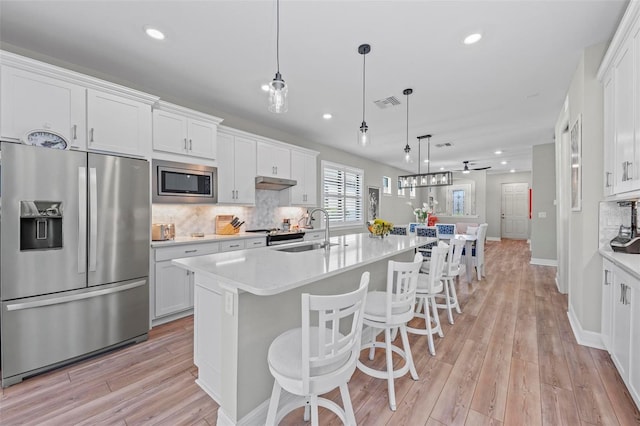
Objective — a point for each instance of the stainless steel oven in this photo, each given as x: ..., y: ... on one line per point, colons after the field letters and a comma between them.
x: 184, y: 183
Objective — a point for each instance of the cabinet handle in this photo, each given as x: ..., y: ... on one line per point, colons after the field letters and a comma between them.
x: 190, y: 145
x: 606, y: 277
x: 607, y: 180
x: 234, y: 245
x: 626, y: 297
x: 276, y: 169
x: 91, y: 135
x: 255, y: 243
x: 185, y: 144
x: 75, y: 132
x: 191, y: 251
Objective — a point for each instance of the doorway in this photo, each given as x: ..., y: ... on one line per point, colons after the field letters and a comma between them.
x: 515, y: 211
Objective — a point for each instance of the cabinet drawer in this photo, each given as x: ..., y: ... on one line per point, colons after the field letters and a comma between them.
x: 232, y: 245
x: 314, y: 235
x: 168, y: 253
x: 255, y: 242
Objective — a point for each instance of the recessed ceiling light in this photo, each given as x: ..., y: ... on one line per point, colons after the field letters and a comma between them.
x: 498, y: 152
x: 327, y: 116
x: 512, y: 171
x: 426, y: 160
x: 265, y: 87
x: 503, y: 162
x: 472, y: 38
x: 154, y: 33
x: 441, y: 168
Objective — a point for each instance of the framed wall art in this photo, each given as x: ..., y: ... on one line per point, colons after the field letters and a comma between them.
x: 373, y: 202
x: 575, y: 137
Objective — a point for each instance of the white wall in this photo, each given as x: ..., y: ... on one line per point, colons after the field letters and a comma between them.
x: 585, y: 97
x: 494, y: 199
x: 543, y: 229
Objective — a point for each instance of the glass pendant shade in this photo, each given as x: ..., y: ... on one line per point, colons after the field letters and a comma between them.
x: 278, y: 90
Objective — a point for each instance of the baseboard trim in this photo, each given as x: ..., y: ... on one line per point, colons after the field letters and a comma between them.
x: 494, y: 239
x: 544, y: 262
x: 257, y: 416
x: 584, y: 337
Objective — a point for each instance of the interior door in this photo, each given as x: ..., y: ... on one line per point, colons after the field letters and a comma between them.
x: 119, y: 219
x: 515, y: 210
x: 42, y: 178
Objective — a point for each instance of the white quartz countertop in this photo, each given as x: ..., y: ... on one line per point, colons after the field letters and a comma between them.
x: 268, y: 271
x: 628, y: 262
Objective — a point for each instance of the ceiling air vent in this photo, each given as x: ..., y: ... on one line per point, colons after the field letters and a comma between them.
x: 389, y: 102
x: 442, y: 145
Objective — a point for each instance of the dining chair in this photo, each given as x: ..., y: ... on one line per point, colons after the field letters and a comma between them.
x: 314, y: 359
x: 445, y: 231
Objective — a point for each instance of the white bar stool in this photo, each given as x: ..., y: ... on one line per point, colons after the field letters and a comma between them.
x: 313, y: 360
x: 430, y: 285
x: 389, y: 310
x: 452, y: 269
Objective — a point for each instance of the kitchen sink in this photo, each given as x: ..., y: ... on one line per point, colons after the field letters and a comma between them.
x: 304, y: 247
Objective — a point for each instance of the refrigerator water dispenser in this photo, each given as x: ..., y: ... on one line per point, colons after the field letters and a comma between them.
x: 40, y: 225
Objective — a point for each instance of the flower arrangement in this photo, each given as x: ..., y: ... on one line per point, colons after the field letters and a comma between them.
x: 421, y: 213
x: 380, y: 227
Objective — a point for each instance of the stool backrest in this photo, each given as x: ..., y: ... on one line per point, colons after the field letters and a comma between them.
x: 426, y: 231
x: 335, y: 348
x: 436, y: 268
x: 482, y: 235
x: 455, y: 256
x: 447, y: 229
x: 402, y: 280
x: 398, y: 230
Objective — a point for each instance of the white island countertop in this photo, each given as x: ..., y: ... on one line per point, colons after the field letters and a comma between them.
x: 268, y: 271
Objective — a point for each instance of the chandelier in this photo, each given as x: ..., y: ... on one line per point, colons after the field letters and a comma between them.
x: 424, y: 180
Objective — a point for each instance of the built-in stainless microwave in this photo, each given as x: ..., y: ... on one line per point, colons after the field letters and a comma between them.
x: 184, y: 183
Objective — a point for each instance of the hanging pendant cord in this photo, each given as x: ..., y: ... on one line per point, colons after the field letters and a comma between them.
x: 278, y: 35
x: 364, y: 65
x: 408, y: 123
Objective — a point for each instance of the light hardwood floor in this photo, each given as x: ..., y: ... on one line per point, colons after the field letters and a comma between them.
x: 510, y: 358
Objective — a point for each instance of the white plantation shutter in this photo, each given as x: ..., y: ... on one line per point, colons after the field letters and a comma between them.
x: 342, y: 193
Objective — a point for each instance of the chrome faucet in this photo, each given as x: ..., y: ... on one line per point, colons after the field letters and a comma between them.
x: 326, y: 226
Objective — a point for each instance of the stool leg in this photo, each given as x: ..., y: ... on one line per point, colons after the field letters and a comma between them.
x: 314, y: 410
x: 452, y: 283
x: 448, y: 301
x: 346, y: 403
x: 407, y: 351
x: 390, y: 387
x: 307, y: 411
x: 273, y: 404
x: 427, y: 325
x: 372, y: 349
x: 436, y: 317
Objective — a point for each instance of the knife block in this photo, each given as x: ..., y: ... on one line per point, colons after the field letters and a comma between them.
x: 223, y: 225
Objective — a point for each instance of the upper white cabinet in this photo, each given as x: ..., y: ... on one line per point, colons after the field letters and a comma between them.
x: 183, y: 131
x: 620, y: 75
x: 118, y: 124
x: 273, y: 160
x: 32, y: 101
x: 303, y: 170
x: 236, y: 169
x: 91, y: 114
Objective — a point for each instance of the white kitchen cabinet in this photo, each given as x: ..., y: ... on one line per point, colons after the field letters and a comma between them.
x: 621, y: 329
x: 273, y: 160
x: 609, y: 135
x: 236, y: 169
x: 207, y: 351
x: 634, y: 363
x: 303, y: 171
x: 607, y: 303
x: 183, y: 131
x: 118, y: 124
x: 620, y: 76
x: 30, y: 101
x: 173, y: 289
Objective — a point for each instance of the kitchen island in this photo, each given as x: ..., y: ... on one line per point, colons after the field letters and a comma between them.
x: 246, y: 298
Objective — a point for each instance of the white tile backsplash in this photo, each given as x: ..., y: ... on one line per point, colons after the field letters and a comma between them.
x: 611, y: 217
x: 201, y: 218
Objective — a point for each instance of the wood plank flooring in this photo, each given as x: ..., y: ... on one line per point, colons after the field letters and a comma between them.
x: 510, y: 358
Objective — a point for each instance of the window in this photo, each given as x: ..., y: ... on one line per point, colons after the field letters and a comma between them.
x: 400, y: 188
x: 412, y: 192
x: 386, y: 185
x: 342, y: 194
x: 458, y: 202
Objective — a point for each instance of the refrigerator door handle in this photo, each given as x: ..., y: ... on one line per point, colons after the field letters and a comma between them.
x: 82, y: 220
x: 74, y: 297
x: 93, y: 218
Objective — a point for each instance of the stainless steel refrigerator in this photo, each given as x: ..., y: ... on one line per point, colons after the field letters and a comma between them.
x: 74, y: 256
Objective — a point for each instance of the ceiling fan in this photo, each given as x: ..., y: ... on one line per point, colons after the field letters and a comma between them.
x: 468, y: 170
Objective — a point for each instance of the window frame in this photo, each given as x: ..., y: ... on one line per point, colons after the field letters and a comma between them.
x: 324, y: 164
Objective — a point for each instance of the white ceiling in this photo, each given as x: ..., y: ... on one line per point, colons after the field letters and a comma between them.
x: 504, y: 92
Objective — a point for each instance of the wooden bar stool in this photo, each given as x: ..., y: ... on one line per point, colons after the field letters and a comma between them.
x: 312, y: 360
x: 388, y: 310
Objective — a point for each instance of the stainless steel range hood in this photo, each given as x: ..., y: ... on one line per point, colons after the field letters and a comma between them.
x: 274, y: 184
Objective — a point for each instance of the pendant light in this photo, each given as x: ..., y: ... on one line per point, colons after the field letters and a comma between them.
x: 407, y: 148
x: 278, y: 88
x: 364, y: 137
x: 423, y: 180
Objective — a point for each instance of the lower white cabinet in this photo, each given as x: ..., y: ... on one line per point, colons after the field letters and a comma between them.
x: 174, y: 289
x: 621, y: 324
x: 314, y: 235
